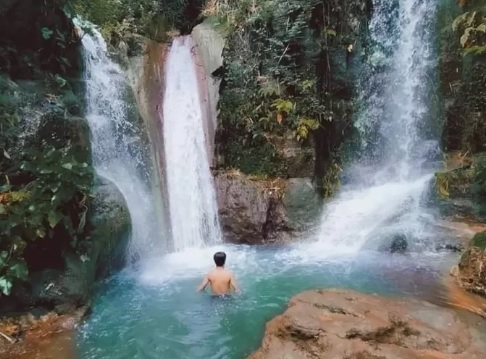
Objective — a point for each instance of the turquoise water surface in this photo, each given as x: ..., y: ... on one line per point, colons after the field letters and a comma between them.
x: 154, y: 312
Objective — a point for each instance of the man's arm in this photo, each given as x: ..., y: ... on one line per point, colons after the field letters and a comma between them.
x: 233, y: 284
x: 204, y: 284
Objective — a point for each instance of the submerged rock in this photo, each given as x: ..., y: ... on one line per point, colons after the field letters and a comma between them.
x: 399, y: 244
x: 346, y: 324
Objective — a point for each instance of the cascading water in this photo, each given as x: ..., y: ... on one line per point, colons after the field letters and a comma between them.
x: 117, y: 147
x: 386, y: 199
x: 192, y: 200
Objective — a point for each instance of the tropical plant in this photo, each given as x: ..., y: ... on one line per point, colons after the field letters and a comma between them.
x: 472, y: 25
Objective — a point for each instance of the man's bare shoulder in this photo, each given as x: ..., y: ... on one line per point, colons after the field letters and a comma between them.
x: 219, y: 273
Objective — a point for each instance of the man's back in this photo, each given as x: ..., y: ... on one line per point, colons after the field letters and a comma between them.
x: 220, y: 281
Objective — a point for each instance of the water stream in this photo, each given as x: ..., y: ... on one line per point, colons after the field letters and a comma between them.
x: 192, y: 199
x: 117, y: 146
x: 154, y: 312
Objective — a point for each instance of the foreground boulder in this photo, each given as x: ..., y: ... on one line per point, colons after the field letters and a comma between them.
x: 348, y: 325
x: 471, y: 271
x: 48, y: 336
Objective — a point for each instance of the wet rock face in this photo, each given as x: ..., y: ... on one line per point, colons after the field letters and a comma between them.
x: 249, y: 211
x: 351, y: 325
x: 255, y: 211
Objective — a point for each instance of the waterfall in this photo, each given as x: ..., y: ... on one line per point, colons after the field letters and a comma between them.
x: 118, y: 149
x: 385, y: 194
x: 192, y: 199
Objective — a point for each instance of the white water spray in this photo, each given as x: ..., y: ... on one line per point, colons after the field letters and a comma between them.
x: 192, y: 200
x: 117, y: 147
x: 387, y: 200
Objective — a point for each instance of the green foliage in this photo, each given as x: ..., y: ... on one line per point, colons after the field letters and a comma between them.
x: 442, y: 184
x: 279, y: 77
x: 43, y: 189
x: 46, y: 33
x: 305, y: 126
x: 479, y: 240
x: 52, y: 202
x: 472, y: 26
x: 119, y: 19
x: 479, y: 179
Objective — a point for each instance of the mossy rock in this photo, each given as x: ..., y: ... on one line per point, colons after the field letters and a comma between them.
x: 110, y: 220
x: 99, y: 255
x: 479, y: 240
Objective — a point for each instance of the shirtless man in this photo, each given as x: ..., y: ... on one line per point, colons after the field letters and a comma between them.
x: 221, y: 281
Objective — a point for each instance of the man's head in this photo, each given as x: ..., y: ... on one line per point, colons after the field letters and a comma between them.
x: 219, y: 259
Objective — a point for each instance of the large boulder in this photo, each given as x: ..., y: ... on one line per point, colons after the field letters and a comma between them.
x: 100, y: 254
x: 250, y: 211
x: 258, y: 210
x: 471, y: 272
x: 111, y: 226
x: 350, y: 325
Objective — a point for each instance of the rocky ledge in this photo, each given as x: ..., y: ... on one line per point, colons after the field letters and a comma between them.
x: 471, y: 271
x: 349, y: 325
x: 50, y: 336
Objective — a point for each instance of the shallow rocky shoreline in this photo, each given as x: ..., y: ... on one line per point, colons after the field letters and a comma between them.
x: 50, y: 336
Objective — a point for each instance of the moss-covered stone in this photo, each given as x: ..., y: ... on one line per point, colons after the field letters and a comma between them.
x: 110, y: 223
x: 98, y: 256
x: 479, y: 240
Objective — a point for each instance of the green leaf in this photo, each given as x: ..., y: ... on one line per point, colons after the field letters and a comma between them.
x: 53, y: 218
x: 46, y: 33
x: 3, y: 258
x: 5, y: 285
x: 67, y: 166
x: 6, y: 154
x: 2, y: 209
x: 19, y: 270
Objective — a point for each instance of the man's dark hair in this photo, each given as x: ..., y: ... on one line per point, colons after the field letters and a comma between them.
x: 219, y: 259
